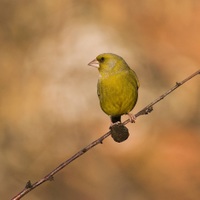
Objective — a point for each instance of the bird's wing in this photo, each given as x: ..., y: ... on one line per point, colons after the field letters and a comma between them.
x: 137, y: 80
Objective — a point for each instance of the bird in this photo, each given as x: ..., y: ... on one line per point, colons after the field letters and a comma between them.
x: 117, y: 86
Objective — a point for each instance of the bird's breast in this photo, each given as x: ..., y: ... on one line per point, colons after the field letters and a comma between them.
x: 117, y: 94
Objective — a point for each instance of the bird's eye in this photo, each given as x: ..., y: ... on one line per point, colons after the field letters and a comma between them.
x: 102, y: 59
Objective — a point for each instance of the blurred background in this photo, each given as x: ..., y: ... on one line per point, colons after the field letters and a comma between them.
x: 49, y: 108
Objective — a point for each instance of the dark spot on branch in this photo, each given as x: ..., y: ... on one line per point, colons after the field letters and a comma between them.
x: 162, y: 96
x: 84, y: 150
x: 101, y: 141
x: 148, y: 110
x: 51, y: 178
x: 28, y: 185
x: 178, y: 84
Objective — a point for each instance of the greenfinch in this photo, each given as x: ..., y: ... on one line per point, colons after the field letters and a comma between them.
x: 117, y: 86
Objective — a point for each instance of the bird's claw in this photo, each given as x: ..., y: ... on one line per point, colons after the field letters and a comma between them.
x: 132, y: 118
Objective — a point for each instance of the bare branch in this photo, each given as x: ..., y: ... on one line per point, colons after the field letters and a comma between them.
x: 49, y: 177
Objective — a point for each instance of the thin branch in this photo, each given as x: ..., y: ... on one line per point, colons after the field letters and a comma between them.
x: 49, y: 177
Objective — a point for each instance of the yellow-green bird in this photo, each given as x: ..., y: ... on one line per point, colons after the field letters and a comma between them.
x: 117, y: 86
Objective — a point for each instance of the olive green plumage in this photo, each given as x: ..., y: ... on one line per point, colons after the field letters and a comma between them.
x: 117, y: 86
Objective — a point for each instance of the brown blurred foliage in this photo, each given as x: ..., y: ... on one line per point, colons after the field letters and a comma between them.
x: 49, y: 107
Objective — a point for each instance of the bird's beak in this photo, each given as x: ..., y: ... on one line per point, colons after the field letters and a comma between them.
x: 94, y: 63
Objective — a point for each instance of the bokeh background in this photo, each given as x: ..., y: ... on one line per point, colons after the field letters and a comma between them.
x: 49, y: 108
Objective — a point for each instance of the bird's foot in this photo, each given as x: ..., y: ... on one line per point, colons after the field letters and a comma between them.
x: 132, y: 117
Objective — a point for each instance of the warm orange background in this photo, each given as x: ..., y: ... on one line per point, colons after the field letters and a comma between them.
x: 49, y: 108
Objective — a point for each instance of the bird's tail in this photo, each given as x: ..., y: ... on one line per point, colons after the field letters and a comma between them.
x: 115, y: 119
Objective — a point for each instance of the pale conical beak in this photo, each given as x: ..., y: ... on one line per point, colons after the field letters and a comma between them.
x: 94, y: 63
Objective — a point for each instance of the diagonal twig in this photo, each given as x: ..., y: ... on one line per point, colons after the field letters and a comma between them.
x: 49, y: 177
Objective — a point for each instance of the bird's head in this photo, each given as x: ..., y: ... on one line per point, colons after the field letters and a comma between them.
x: 109, y: 63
